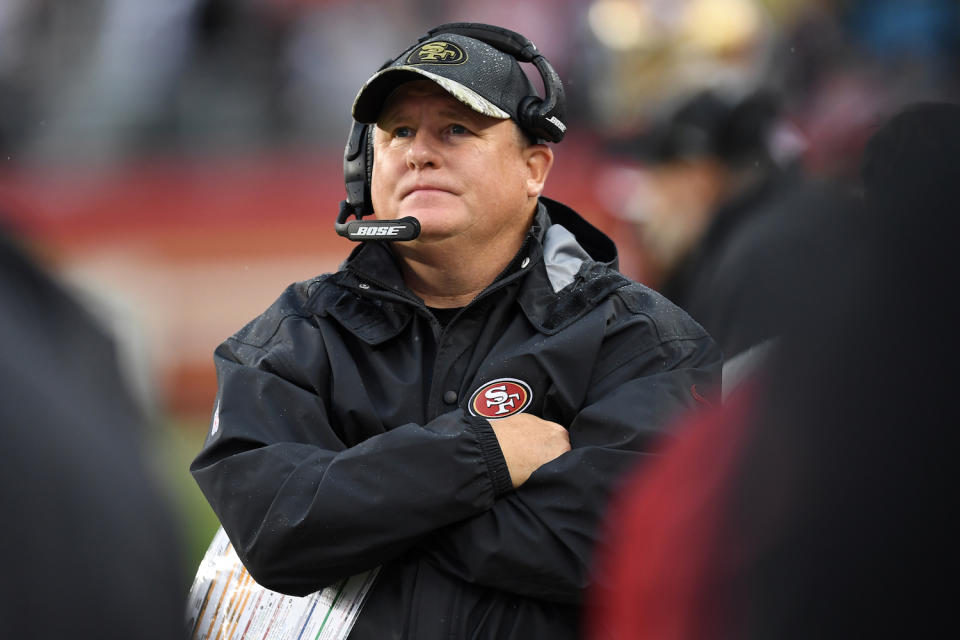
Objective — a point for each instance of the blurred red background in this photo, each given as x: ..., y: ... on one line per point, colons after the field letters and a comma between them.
x: 179, y: 254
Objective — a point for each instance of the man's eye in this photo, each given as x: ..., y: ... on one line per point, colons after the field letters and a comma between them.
x: 458, y: 129
x: 402, y: 132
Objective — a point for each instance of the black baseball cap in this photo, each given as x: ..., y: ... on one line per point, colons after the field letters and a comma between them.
x: 480, y: 76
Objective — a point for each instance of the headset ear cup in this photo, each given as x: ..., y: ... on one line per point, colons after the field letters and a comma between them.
x: 368, y: 170
x: 355, y: 168
x: 528, y: 112
x: 538, y: 118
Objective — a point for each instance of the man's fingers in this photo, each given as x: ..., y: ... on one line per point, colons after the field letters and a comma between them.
x: 529, y: 442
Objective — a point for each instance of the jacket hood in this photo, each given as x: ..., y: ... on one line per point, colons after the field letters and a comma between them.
x: 568, y: 242
x: 597, y: 245
x: 580, y: 264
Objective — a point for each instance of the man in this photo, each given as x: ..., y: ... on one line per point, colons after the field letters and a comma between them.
x: 726, y: 205
x: 92, y: 549
x: 457, y: 407
x: 816, y: 502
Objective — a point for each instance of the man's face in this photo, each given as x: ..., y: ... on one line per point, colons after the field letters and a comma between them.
x: 462, y: 174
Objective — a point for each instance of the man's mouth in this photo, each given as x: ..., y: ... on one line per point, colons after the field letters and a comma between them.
x: 424, y: 189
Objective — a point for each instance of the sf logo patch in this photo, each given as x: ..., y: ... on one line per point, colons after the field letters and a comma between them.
x: 437, y: 53
x: 501, y: 398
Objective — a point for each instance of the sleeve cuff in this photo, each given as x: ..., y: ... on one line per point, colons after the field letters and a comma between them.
x: 492, y: 454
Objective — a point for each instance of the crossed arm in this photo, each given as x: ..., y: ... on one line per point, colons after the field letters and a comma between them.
x: 302, y: 516
x: 305, y: 515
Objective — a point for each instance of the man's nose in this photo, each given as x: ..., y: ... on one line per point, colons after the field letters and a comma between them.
x: 423, y: 151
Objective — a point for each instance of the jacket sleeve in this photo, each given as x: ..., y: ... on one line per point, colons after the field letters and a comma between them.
x: 538, y: 540
x: 301, y: 507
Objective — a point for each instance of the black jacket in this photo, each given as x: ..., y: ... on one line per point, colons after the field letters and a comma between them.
x: 343, y: 437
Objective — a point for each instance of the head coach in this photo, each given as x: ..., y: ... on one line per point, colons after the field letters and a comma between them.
x: 455, y: 404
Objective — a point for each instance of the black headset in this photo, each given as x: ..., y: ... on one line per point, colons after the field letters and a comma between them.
x: 539, y: 117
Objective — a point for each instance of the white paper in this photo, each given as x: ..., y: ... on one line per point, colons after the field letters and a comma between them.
x: 226, y: 604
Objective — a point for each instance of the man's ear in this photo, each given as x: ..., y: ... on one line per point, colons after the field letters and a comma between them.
x: 539, y: 160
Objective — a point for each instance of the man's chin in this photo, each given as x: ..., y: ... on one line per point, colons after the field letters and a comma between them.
x: 430, y: 236
x: 433, y: 222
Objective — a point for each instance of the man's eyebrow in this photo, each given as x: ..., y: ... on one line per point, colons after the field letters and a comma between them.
x: 385, y: 117
x: 466, y: 113
x: 452, y: 112
x: 389, y: 112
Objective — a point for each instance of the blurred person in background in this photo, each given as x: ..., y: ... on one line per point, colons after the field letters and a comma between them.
x: 764, y: 104
x: 453, y: 406
x: 723, y: 204
x: 820, y: 501
x: 704, y: 162
x: 92, y: 547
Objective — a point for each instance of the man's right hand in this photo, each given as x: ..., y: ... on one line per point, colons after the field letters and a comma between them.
x: 528, y: 442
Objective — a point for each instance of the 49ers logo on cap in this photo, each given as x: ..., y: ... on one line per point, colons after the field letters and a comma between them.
x: 501, y: 398
x: 438, y: 52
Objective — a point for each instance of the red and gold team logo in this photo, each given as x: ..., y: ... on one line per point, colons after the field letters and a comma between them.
x: 501, y: 398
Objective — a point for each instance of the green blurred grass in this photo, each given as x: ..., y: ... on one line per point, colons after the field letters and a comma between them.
x: 180, y: 440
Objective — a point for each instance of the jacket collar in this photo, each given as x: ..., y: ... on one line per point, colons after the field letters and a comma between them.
x: 579, y: 268
x: 565, y: 266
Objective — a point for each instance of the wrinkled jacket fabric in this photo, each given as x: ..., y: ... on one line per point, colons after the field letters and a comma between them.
x: 342, y: 438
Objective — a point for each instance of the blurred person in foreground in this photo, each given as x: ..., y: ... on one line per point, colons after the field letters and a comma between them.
x: 820, y: 501
x: 454, y: 407
x: 723, y: 205
x: 91, y: 549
